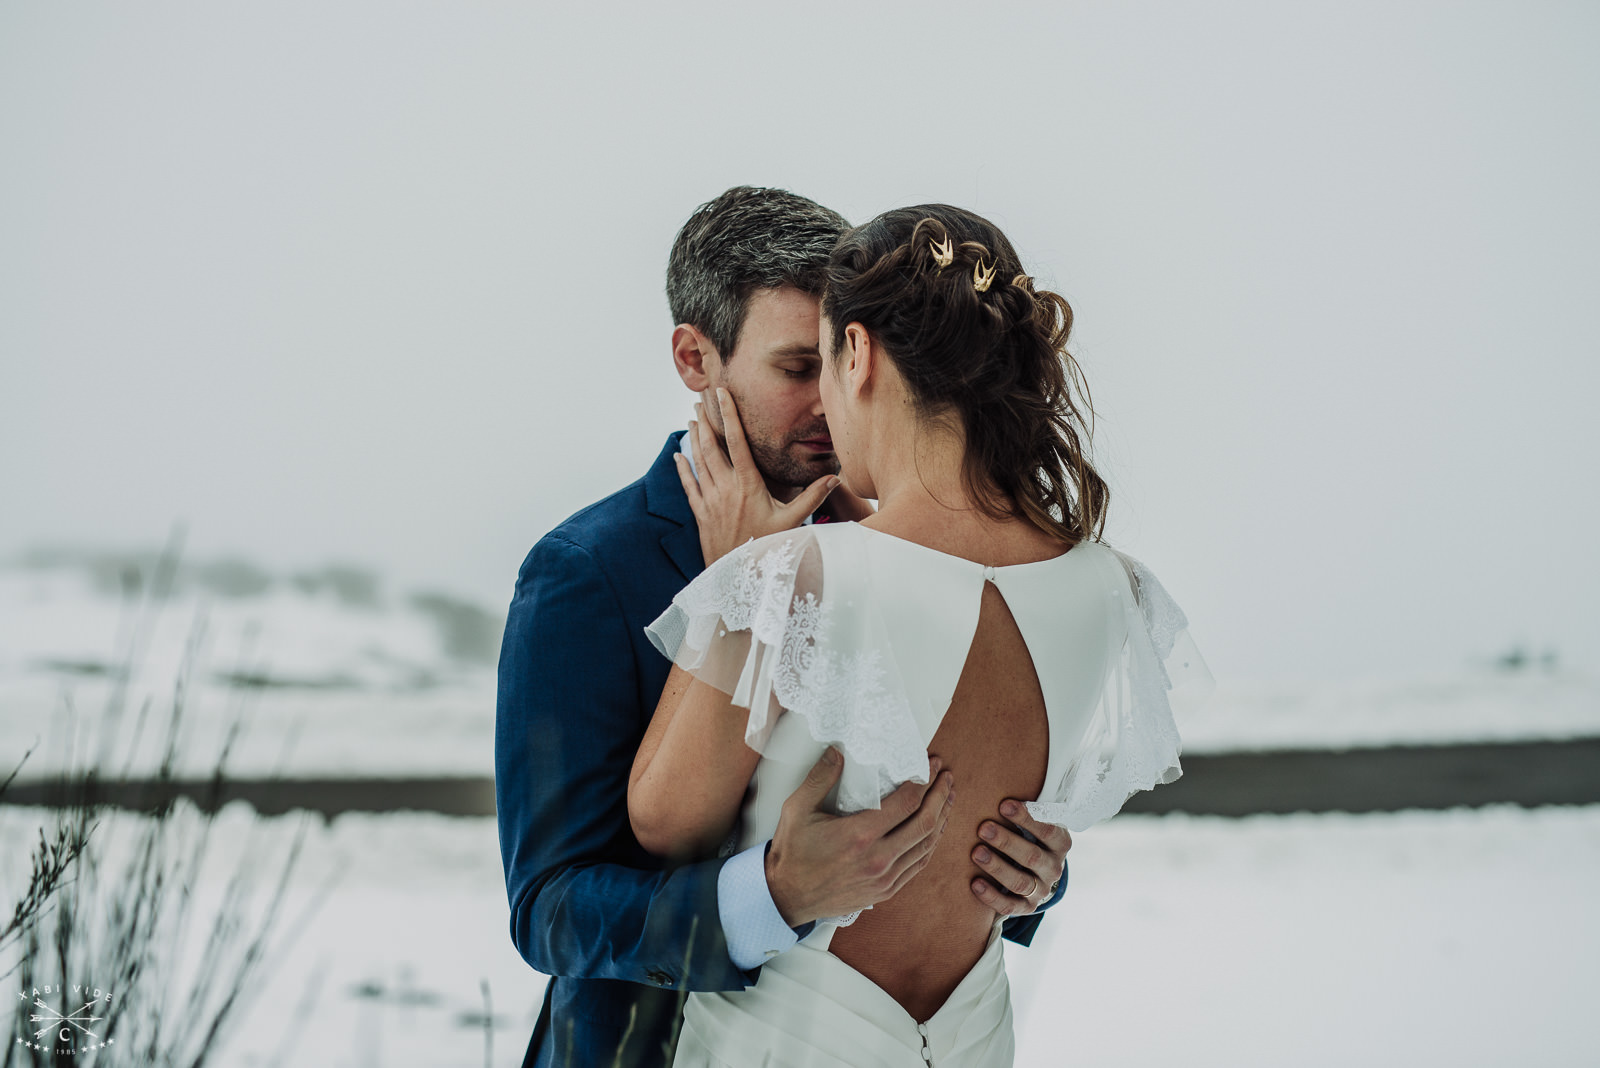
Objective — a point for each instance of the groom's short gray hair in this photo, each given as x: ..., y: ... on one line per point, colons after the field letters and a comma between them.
x: 744, y: 240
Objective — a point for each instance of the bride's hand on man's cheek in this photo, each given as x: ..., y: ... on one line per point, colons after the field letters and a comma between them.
x: 1026, y: 872
x: 729, y: 498
x: 846, y: 507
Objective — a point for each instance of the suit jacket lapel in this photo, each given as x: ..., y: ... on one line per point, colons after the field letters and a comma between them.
x: 663, y: 495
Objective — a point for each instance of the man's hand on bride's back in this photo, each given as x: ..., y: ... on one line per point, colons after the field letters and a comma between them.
x: 730, y: 499
x: 823, y: 865
x: 1024, y: 870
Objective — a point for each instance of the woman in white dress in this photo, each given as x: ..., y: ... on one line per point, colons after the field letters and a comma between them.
x: 975, y: 617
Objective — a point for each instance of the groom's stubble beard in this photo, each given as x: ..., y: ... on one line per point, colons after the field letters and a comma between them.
x: 781, y: 459
x: 792, y: 466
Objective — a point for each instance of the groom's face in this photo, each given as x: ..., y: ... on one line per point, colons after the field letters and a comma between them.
x: 773, y: 374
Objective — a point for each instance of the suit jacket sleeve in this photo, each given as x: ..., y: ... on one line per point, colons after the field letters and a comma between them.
x: 586, y: 900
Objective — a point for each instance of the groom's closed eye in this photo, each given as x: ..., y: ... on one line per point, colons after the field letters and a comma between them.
x: 797, y: 361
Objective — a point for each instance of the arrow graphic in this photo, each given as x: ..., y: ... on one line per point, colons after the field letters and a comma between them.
x: 54, y: 1018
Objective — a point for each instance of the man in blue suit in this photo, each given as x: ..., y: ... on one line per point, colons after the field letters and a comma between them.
x: 625, y: 934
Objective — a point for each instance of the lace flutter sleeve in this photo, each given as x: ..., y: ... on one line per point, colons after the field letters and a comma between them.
x: 761, y: 626
x: 1131, y: 742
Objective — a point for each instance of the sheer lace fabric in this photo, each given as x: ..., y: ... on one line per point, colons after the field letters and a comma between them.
x: 757, y: 626
x: 861, y: 636
x: 1131, y: 743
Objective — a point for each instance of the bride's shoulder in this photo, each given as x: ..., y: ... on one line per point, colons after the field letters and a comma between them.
x: 784, y: 542
x: 798, y: 558
x: 1129, y: 568
x: 798, y: 540
x: 781, y: 556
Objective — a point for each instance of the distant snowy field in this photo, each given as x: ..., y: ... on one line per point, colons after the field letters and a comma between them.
x: 1460, y: 938
x: 337, y: 677
x: 328, y: 673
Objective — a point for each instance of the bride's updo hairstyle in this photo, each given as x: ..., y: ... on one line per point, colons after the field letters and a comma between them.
x: 992, y: 356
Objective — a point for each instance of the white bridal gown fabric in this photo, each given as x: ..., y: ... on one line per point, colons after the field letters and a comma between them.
x: 846, y: 636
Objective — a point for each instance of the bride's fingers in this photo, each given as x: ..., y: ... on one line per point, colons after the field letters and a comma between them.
x: 810, y: 499
x: 847, y: 507
x: 744, y: 464
x: 701, y: 471
x: 691, y: 485
x: 715, y: 459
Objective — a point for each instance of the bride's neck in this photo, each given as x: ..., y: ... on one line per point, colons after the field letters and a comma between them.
x: 918, y: 470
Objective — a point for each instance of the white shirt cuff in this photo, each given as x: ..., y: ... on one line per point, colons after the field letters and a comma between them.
x: 751, y: 924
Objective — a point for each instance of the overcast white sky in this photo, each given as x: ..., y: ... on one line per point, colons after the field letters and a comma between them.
x: 382, y: 282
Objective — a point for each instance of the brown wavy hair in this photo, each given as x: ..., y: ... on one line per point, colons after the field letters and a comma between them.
x: 996, y: 361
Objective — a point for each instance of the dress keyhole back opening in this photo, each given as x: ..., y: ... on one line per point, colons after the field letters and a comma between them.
x: 995, y: 740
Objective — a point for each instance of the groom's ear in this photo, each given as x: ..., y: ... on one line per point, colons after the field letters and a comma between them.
x: 694, y: 356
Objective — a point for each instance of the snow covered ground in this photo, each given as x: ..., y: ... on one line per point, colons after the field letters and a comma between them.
x: 1459, y: 938
x: 1462, y: 938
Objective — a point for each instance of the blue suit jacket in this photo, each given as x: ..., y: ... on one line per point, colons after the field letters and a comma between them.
x: 621, y: 934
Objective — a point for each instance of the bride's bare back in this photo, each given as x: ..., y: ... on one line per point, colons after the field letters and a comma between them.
x: 995, y: 739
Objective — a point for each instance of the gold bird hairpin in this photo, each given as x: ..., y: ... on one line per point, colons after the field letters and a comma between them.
x: 983, y: 279
x: 944, y: 254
